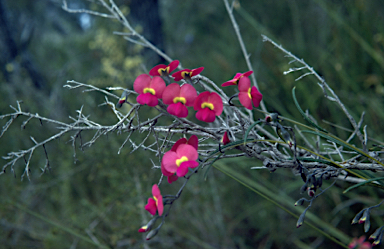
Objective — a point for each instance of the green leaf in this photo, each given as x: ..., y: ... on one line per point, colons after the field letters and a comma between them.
x: 363, y: 183
x: 249, y: 130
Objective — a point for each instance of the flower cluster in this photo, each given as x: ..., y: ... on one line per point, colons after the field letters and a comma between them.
x: 178, y: 97
x: 183, y: 155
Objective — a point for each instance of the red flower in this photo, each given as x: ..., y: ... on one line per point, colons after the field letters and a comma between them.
x: 193, y: 141
x: 236, y: 79
x: 208, y: 105
x: 225, y: 139
x: 187, y: 74
x: 178, y: 98
x: 358, y: 243
x: 155, y: 204
x: 163, y: 70
x: 180, y: 160
x: 149, y: 89
x: 248, y: 94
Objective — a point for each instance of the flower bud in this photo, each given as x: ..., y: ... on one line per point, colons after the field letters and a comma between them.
x: 225, y: 139
x: 357, y: 217
x: 152, y: 234
x: 122, y: 99
x: 299, y: 202
x: 149, y: 226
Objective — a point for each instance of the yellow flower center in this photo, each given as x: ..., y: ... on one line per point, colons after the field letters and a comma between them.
x: 186, y: 74
x: 207, y: 104
x: 163, y: 71
x: 155, y: 200
x: 149, y: 90
x: 181, y: 160
x: 179, y: 99
x: 249, y: 93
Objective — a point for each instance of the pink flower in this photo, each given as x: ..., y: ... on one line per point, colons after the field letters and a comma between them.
x: 193, y: 141
x: 156, y: 203
x: 187, y: 74
x: 248, y: 94
x: 149, y: 89
x: 358, y: 243
x: 164, y: 70
x: 208, y: 105
x: 178, y: 98
x: 225, y: 139
x: 236, y: 79
x: 180, y: 160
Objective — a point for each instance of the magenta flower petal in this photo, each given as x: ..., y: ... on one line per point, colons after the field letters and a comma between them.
x: 178, y: 110
x: 179, y: 74
x: 155, y: 70
x: 160, y: 205
x: 206, y: 115
x: 203, y: 97
x: 233, y: 81
x: 165, y: 172
x: 194, y: 141
x: 169, y: 161
x: 189, y: 164
x: 189, y: 93
x: 236, y: 79
x: 172, y: 178
x: 217, y: 102
x: 173, y: 65
x: 229, y: 83
x: 164, y: 70
x: 170, y: 92
x: 147, y: 99
x: 188, y: 151
x: 151, y: 206
x: 158, y: 198
x: 197, y: 71
x: 244, y: 84
x: 245, y: 100
x: 246, y: 74
x: 158, y: 85
x: 155, y: 190
x: 143, y: 229
x: 182, y: 171
x: 256, y: 96
x: 142, y: 81
x: 178, y: 142
x: 187, y: 73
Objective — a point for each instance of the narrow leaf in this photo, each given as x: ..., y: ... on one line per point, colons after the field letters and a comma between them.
x: 362, y: 183
x: 249, y: 130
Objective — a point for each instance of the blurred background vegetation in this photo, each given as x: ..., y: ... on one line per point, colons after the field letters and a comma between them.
x: 101, y: 194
